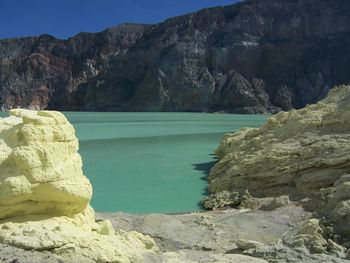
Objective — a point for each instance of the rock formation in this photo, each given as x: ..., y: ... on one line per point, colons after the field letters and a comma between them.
x: 332, y: 205
x: 252, y: 57
x: 296, y: 152
x: 44, y: 196
x: 303, y: 153
x: 45, y: 212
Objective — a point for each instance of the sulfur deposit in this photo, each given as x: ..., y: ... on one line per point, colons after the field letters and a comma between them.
x: 296, y: 152
x: 44, y: 196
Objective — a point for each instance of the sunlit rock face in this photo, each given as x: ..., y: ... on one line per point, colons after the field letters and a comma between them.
x: 255, y: 56
x: 40, y: 168
x: 44, y: 196
x: 295, y: 152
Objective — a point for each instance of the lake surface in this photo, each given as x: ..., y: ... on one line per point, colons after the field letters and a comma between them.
x: 151, y: 162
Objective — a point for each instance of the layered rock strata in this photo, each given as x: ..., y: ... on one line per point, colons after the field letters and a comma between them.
x: 44, y: 196
x: 255, y: 56
x: 296, y: 152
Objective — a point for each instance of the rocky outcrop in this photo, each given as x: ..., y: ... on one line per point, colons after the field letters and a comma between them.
x: 286, y: 234
x: 331, y: 205
x: 221, y: 199
x: 212, y: 236
x: 256, y: 56
x: 44, y: 196
x: 40, y: 166
x: 296, y: 152
x: 303, y: 153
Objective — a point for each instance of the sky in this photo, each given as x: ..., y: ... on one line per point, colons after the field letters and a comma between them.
x: 65, y: 18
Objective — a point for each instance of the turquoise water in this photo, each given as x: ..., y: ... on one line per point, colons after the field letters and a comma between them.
x: 151, y: 162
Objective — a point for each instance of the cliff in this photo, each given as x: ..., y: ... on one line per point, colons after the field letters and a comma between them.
x: 256, y: 56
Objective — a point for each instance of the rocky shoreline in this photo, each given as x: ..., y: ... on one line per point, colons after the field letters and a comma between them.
x: 302, y: 154
x: 212, y: 236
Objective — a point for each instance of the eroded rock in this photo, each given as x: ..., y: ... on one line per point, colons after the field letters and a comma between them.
x: 44, y: 196
x: 307, y: 234
x: 332, y: 205
x: 245, y: 244
x: 295, y: 153
x: 276, y: 202
x: 221, y: 199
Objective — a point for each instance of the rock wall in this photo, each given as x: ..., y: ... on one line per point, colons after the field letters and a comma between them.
x: 296, y: 152
x: 44, y: 196
x: 256, y: 56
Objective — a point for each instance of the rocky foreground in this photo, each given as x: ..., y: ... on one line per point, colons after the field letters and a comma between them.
x: 256, y: 56
x: 44, y: 198
x: 230, y: 235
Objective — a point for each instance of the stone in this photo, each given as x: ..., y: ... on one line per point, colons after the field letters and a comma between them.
x: 276, y: 202
x: 280, y: 253
x: 332, y: 205
x: 221, y: 199
x: 40, y: 166
x: 210, y: 231
x: 343, y: 179
x: 44, y: 196
x: 336, y: 249
x: 245, y: 244
x: 295, y: 153
x: 306, y: 234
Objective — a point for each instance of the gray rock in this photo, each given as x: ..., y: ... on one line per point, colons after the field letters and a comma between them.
x: 245, y: 244
x: 215, y: 231
x: 343, y: 179
x: 307, y: 234
x: 276, y: 203
x: 279, y: 253
x: 221, y: 199
x: 336, y: 249
x: 251, y: 57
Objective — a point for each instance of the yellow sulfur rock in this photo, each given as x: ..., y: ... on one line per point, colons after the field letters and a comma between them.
x: 294, y: 153
x: 44, y: 196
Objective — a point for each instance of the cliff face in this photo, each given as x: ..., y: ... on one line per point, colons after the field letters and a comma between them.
x: 253, y: 57
x: 44, y: 72
x: 296, y: 152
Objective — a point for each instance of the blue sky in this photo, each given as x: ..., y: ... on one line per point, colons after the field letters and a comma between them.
x: 65, y: 18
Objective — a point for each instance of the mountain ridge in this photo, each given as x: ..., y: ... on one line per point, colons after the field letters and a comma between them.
x: 250, y: 57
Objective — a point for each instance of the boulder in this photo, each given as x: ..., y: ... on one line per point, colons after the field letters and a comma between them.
x: 309, y: 235
x: 40, y: 166
x: 276, y: 202
x: 221, y: 199
x: 306, y: 234
x: 44, y: 196
x: 245, y: 244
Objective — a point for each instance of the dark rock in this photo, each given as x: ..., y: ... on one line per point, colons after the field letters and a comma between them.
x: 256, y: 56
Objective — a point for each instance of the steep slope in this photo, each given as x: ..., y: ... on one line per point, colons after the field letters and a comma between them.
x: 253, y: 57
x: 45, y: 72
